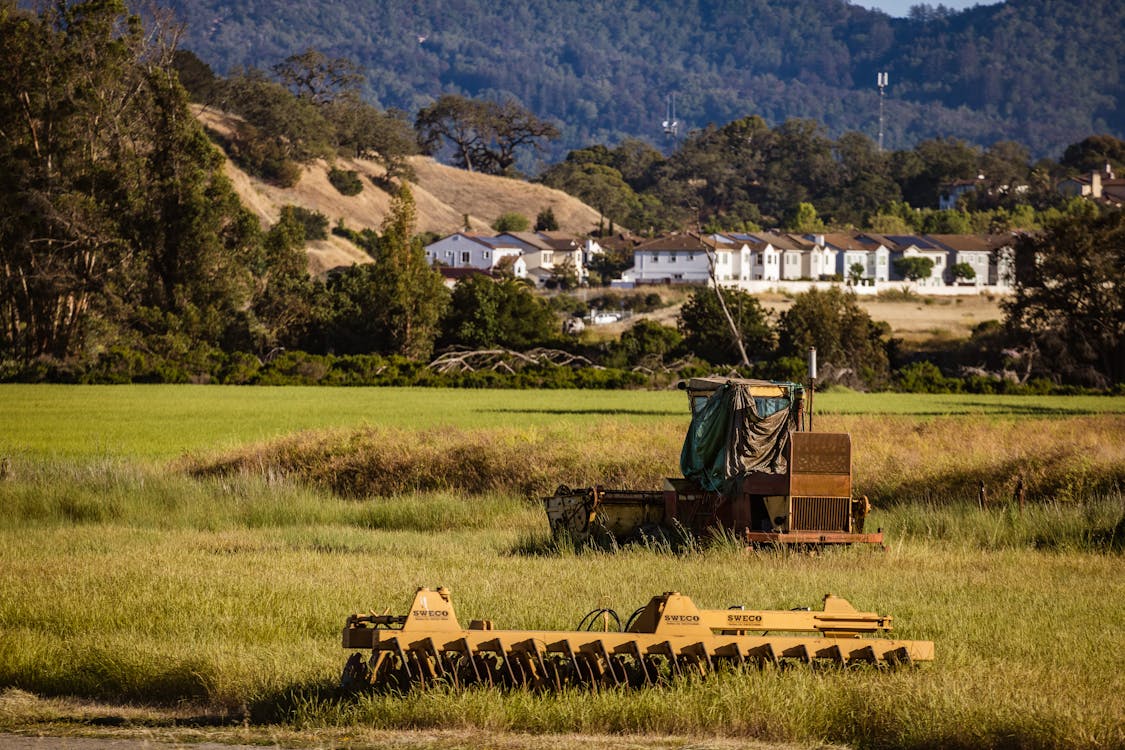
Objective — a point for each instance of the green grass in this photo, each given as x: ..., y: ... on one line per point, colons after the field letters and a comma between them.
x: 163, y: 421
x: 126, y: 579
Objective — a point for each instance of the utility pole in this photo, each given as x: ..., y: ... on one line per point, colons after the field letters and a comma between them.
x: 881, y: 82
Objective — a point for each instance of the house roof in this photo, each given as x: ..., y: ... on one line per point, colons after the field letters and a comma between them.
x: 530, y: 238
x: 673, y: 243
x: 903, y: 241
x: 801, y: 241
x: 490, y: 241
x: 779, y: 241
x: 856, y: 243
x: 620, y: 241
x: 560, y: 240
x: 961, y: 242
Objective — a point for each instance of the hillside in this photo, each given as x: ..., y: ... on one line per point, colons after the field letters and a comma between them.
x: 444, y: 196
x: 1040, y: 72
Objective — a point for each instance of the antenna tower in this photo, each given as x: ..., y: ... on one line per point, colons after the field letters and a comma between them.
x: 881, y: 82
x: 670, y: 124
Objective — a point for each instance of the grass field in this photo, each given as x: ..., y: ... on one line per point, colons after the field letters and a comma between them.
x: 177, y: 562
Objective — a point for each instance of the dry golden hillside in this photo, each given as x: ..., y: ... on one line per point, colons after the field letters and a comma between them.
x: 444, y: 196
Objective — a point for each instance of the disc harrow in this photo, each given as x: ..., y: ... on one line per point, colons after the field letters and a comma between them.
x: 668, y: 638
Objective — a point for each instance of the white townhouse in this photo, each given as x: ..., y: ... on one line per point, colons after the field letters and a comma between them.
x: 732, y: 257
x: 680, y: 259
x: 819, y: 260
x: 868, y: 251
x: 544, y: 251
x: 764, y: 260
x: 971, y: 249
x: 913, y: 246
x: 480, y: 252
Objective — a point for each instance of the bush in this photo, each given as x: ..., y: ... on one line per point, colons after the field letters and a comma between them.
x: 924, y: 377
x: 314, y: 222
x: 512, y: 222
x: 346, y: 181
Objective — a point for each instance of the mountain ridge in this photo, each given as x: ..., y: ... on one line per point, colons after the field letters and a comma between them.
x: 1040, y: 72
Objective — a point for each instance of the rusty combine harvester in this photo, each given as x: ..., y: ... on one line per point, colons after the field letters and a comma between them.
x: 751, y: 469
x: 667, y: 638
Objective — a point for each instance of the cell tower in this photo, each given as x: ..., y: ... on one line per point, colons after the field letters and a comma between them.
x: 670, y: 124
x: 881, y: 82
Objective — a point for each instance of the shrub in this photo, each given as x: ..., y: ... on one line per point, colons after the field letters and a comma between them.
x: 346, y: 181
x: 512, y: 222
x: 314, y: 222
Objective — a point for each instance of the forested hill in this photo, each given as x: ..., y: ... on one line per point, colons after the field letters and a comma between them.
x: 1043, y: 73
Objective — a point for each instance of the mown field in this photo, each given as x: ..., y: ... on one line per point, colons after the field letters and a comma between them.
x: 176, y: 563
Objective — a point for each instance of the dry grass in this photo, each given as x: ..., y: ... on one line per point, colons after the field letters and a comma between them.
x: 896, y: 459
x: 443, y: 195
x: 202, y: 598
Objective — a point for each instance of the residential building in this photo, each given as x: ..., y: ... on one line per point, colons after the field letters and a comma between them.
x: 869, y: 251
x: 680, y: 259
x: 481, y: 252
x: 971, y: 249
x: 913, y: 246
x: 763, y: 259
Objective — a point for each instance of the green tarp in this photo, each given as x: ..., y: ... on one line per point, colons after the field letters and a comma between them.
x: 733, y: 434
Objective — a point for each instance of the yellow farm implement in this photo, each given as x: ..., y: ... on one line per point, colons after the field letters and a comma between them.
x: 667, y: 638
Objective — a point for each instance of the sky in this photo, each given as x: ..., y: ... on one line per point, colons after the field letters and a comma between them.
x: 901, y: 8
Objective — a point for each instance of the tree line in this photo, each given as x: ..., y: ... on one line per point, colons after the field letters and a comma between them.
x: 128, y: 256
x: 1037, y: 71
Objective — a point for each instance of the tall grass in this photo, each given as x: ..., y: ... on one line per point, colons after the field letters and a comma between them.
x: 936, y: 460
x: 251, y: 617
x: 222, y: 579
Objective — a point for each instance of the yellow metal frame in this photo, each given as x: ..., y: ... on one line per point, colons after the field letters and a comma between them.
x: 668, y: 637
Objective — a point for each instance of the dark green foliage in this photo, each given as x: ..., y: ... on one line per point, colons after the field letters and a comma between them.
x: 484, y: 135
x: 850, y: 346
x: 195, y: 76
x: 484, y: 313
x: 407, y: 297
x: 280, y: 130
x: 345, y: 180
x: 112, y: 200
x: 511, y: 222
x: 648, y: 344
x: 1094, y: 153
x: 963, y: 271
x: 1045, y: 71
x: 914, y: 268
x: 1070, y: 301
x: 545, y: 220
x: 564, y: 276
x: 314, y: 223
x: 924, y: 377
x: 707, y: 333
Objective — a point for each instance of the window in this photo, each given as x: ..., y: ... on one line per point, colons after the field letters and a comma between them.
x: 485, y: 253
x: 672, y: 258
x: 690, y: 257
x: 758, y: 258
x: 656, y: 257
x: 465, y: 256
x: 547, y: 256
